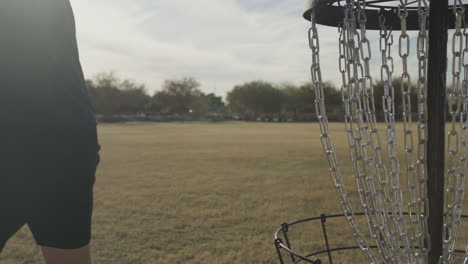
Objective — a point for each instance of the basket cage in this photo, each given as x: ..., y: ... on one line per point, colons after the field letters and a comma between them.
x: 331, y: 13
x: 289, y: 252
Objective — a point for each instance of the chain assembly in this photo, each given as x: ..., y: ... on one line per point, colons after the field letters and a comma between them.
x: 326, y: 142
x: 389, y: 201
x: 357, y: 132
x: 414, y: 209
x: 374, y: 155
x: 456, y: 165
x: 421, y: 167
x: 386, y: 43
x: 464, y: 136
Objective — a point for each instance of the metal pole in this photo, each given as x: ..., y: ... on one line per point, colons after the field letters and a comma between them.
x: 325, y: 236
x: 280, y: 257
x: 437, y: 75
x: 288, y: 244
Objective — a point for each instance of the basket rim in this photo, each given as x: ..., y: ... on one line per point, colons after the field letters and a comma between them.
x: 330, y: 13
x: 280, y: 245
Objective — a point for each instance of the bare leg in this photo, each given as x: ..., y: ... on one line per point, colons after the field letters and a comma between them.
x: 69, y: 256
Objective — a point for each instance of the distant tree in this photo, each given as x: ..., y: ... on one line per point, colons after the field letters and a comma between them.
x: 177, y: 96
x: 296, y: 99
x: 255, y: 98
x: 213, y: 104
x: 305, y: 98
x: 111, y: 96
x: 105, y: 93
x: 333, y: 98
x: 301, y: 100
x: 291, y: 97
x: 134, y: 97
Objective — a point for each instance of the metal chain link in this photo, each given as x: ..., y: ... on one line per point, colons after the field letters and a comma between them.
x: 328, y: 148
x: 456, y: 142
x: 392, y: 224
x: 464, y: 136
x: 464, y: 259
x: 356, y: 131
x: 379, y: 189
x: 422, y: 51
x: 386, y: 42
x: 454, y: 103
x: 411, y: 170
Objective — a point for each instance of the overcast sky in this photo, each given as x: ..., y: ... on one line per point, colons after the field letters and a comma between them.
x: 219, y: 42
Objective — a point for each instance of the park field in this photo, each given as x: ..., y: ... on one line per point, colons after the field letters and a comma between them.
x: 208, y: 193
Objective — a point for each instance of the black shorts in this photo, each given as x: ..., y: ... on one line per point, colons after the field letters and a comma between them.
x: 46, y: 182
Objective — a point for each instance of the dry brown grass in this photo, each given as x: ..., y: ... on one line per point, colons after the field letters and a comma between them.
x: 206, y: 193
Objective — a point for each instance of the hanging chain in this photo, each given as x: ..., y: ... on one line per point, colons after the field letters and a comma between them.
x: 411, y: 175
x: 382, y: 206
x: 372, y: 177
x: 386, y: 42
x: 457, y: 99
x: 422, y: 51
x: 456, y: 141
x: 379, y: 181
x: 464, y: 136
x: 464, y: 260
x: 327, y: 146
x: 394, y: 227
x: 353, y: 124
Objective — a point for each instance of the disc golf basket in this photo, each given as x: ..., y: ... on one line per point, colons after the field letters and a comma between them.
x: 411, y: 204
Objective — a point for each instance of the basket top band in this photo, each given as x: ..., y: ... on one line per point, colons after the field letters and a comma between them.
x: 328, y: 13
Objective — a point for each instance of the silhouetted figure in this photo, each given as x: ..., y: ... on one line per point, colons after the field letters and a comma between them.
x: 48, y: 142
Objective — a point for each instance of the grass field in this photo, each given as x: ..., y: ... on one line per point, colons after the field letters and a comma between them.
x: 206, y: 193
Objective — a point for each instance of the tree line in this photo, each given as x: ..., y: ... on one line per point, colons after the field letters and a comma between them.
x: 183, y: 99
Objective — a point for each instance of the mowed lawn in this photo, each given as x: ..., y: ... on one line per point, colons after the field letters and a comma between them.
x: 206, y: 193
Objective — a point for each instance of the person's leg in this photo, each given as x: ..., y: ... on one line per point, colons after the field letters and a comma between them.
x: 12, y: 217
x: 62, y: 196
x: 69, y: 256
x: 62, y: 228
x: 60, y: 220
x: 8, y: 227
x: 12, y: 202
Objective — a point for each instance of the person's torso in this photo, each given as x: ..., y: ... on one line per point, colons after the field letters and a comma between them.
x: 41, y: 80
